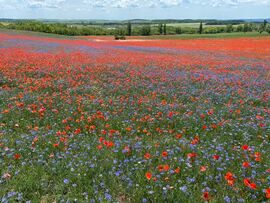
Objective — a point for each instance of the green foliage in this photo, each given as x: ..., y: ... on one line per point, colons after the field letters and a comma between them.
x: 189, y: 30
x: 229, y: 28
x: 264, y: 24
x: 263, y: 27
x: 239, y: 28
x: 178, y: 30
x: 129, y: 29
x: 268, y: 29
x: 165, y: 29
x: 146, y: 30
x: 119, y: 37
x: 201, y: 28
x: 247, y: 27
x: 160, y: 29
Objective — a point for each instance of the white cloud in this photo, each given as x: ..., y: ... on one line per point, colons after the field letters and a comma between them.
x: 43, y: 3
x: 82, y: 4
x: 171, y: 3
x: 133, y: 3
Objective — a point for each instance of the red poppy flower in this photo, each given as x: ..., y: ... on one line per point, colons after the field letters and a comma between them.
x: 17, y: 156
x: 77, y: 131
x: 177, y: 170
x: 216, y: 157
x: 166, y: 167
x: 257, y: 156
x: 178, y: 136
x: 164, y: 154
x: 99, y: 147
x: 230, y: 179
x: 267, y: 193
x: 147, y: 156
x: 160, y: 168
x: 246, y: 164
x: 195, y: 140
x: 206, y: 196
x: 245, y: 147
x: 110, y: 144
x: 203, y: 168
x: 148, y: 175
x: 191, y: 155
x: 204, y: 127
x: 249, y: 184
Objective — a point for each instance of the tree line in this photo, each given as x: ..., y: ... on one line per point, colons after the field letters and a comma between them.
x: 129, y: 29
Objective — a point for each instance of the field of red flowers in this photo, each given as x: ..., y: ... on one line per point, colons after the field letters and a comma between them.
x: 97, y: 120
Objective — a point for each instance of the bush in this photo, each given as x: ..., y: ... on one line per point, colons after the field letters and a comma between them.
x: 119, y: 37
x: 146, y: 30
x: 268, y: 29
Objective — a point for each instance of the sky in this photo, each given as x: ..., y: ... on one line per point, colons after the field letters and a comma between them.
x: 134, y: 9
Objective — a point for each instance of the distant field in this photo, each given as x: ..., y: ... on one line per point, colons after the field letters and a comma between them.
x: 5, y: 23
x: 182, y: 36
x: 198, y: 36
x: 192, y: 25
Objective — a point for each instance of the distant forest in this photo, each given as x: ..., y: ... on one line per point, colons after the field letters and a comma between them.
x: 136, y: 27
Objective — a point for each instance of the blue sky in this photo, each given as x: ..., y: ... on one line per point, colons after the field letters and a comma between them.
x: 130, y: 9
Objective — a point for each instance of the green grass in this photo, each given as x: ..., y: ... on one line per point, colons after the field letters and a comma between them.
x: 192, y: 25
x: 36, y: 34
x: 167, y: 37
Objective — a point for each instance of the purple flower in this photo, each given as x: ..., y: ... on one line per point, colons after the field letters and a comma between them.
x: 183, y: 189
x: 66, y: 181
x: 227, y: 199
x: 108, y: 196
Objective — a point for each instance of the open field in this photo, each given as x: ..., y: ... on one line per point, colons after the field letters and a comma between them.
x: 192, y: 25
x: 160, y: 37
x: 206, y: 36
x: 92, y: 119
x: 32, y: 33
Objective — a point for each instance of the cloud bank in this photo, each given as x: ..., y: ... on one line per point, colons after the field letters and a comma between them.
x: 170, y: 3
x: 54, y: 4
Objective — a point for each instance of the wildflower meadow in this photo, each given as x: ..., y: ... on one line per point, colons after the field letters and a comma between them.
x: 91, y: 119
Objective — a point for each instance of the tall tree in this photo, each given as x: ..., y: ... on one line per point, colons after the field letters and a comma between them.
x: 160, y: 28
x: 264, y: 25
x: 201, y: 28
x: 165, y: 29
x: 129, y: 29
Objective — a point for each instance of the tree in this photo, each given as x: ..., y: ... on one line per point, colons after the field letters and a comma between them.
x: 120, y: 31
x: 264, y: 25
x: 178, y: 30
x: 201, y: 28
x: 229, y: 28
x: 267, y: 29
x: 165, y: 29
x: 146, y: 30
x: 239, y: 28
x: 129, y: 29
x: 160, y: 29
x: 246, y: 28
